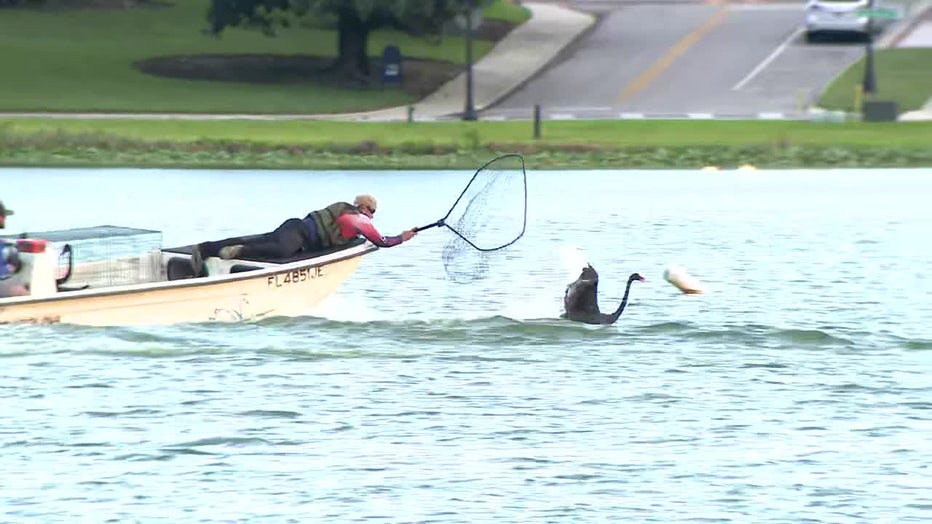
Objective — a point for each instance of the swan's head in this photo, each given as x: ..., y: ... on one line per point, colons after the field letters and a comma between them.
x: 588, y: 273
x: 636, y: 276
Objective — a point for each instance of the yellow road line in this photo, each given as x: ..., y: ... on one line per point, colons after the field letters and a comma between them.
x: 665, y: 61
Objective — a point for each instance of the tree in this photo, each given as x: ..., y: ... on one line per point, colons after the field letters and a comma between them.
x: 356, y: 19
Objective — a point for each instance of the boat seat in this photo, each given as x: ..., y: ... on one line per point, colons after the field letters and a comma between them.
x: 179, y: 268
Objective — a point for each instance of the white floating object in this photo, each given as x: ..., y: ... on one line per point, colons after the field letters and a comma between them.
x: 747, y: 167
x: 682, y: 280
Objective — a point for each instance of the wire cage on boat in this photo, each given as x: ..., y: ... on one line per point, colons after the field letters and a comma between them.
x: 106, y: 255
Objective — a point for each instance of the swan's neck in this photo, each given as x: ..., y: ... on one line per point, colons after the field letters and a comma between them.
x: 624, y: 302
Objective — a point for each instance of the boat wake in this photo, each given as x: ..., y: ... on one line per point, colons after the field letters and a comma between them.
x: 319, y: 338
x: 359, y: 310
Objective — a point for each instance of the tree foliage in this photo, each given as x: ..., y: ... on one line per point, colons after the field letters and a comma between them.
x: 355, y: 20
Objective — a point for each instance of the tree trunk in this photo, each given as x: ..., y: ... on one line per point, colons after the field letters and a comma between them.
x: 353, y: 40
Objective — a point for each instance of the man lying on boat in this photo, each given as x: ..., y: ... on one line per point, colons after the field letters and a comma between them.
x: 9, y: 262
x: 332, y: 226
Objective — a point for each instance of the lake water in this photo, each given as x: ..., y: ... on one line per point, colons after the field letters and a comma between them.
x: 797, y: 389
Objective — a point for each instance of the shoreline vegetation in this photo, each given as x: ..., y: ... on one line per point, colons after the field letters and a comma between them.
x: 600, y: 144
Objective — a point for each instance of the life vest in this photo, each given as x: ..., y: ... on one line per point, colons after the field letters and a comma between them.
x: 326, y: 222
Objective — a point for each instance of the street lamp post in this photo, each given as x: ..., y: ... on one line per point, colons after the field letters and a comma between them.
x: 470, y: 111
x: 869, y: 84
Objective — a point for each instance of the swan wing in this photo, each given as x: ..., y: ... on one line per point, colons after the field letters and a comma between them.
x: 581, y: 296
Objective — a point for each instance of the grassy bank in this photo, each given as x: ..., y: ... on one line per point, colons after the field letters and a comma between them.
x: 903, y: 75
x: 82, y: 60
x: 564, y: 144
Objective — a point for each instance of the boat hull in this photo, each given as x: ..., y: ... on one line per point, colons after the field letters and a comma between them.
x: 286, y: 290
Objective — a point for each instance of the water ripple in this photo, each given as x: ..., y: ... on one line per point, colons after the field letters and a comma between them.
x: 794, y: 390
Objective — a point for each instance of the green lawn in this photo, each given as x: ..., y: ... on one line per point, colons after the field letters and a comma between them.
x: 612, y: 133
x: 903, y: 75
x: 80, y: 60
x: 507, y: 11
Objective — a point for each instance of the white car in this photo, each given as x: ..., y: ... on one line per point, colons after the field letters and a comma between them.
x: 837, y: 17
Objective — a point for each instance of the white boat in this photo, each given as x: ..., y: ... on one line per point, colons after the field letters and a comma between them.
x: 117, y: 276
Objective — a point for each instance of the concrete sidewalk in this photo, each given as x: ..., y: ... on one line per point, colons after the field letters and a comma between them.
x: 908, y: 30
x: 920, y: 115
x: 515, y: 59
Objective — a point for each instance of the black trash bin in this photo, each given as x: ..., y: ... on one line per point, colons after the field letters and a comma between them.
x: 880, y: 111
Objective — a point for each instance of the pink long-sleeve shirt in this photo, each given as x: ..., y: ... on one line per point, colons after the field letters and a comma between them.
x: 352, y: 224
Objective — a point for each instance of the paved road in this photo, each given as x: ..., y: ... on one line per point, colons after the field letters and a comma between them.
x: 676, y: 57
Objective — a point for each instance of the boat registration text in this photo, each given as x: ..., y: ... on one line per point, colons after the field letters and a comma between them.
x: 294, y: 277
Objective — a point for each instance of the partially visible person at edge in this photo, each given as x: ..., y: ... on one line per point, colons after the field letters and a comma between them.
x: 9, y: 262
x: 332, y: 226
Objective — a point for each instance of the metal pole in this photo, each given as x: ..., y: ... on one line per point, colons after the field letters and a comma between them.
x: 536, y: 120
x: 869, y: 84
x: 470, y: 111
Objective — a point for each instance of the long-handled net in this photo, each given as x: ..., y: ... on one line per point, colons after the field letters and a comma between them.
x: 489, y: 215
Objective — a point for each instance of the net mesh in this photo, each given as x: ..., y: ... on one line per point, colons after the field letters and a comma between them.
x: 488, y: 217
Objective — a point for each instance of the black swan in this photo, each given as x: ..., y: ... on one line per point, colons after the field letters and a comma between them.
x: 581, y: 303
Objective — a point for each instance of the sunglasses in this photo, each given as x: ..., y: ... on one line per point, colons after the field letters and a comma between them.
x: 371, y: 210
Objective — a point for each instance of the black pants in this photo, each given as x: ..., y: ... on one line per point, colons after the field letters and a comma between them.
x: 287, y: 240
